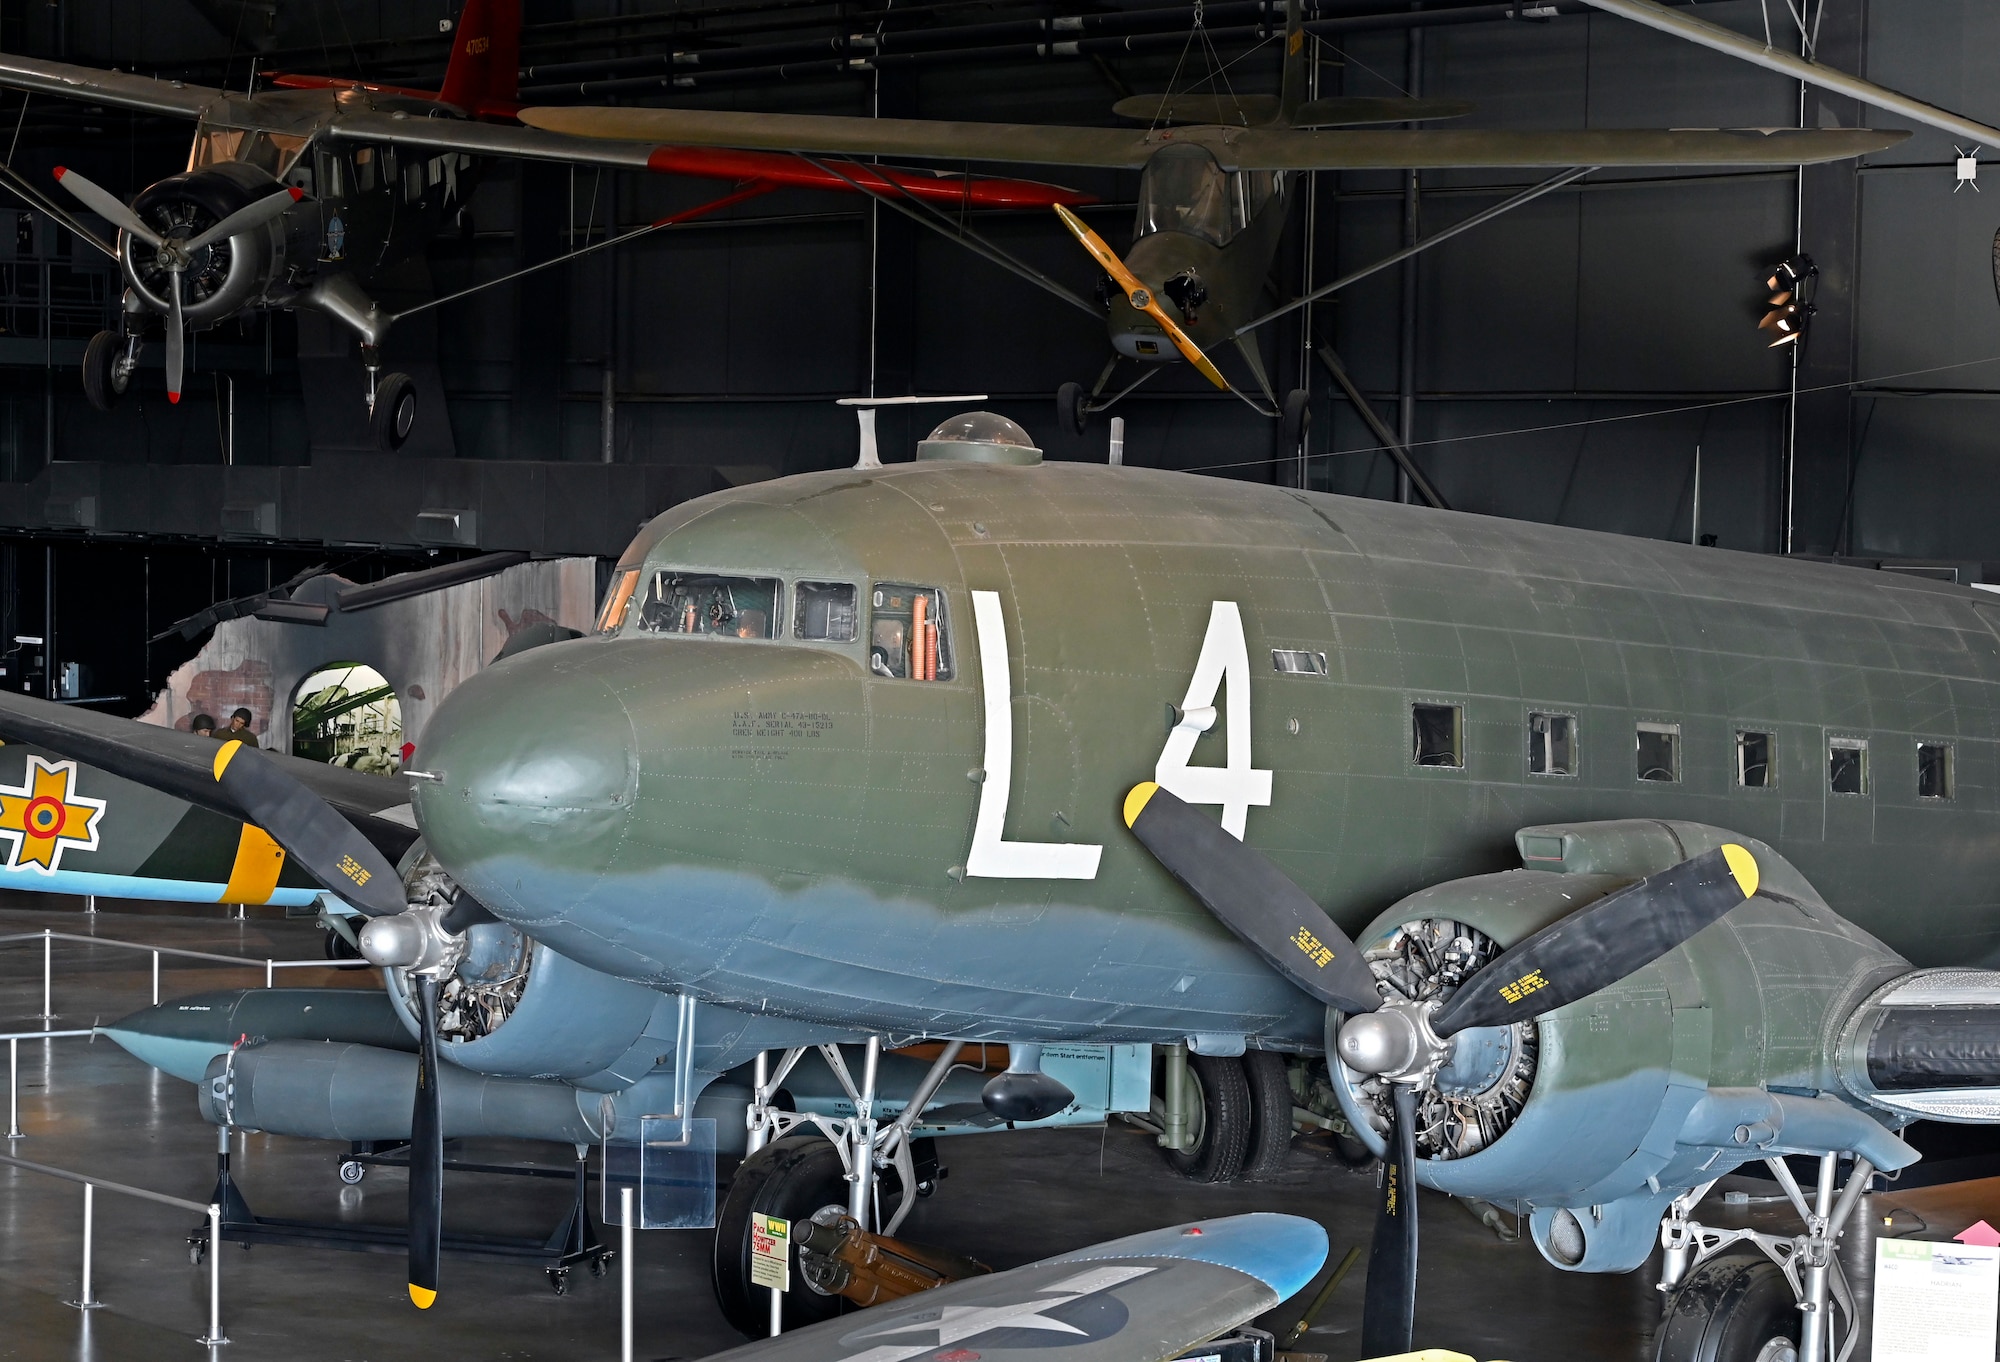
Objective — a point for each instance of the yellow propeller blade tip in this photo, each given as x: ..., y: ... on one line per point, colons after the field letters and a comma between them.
x: 229, y: 750
x: 1135, y: 802
x: 422, y: 1297
x: 1743, y: 866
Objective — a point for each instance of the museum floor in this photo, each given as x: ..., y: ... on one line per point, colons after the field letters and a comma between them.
x: 1008, y: 1199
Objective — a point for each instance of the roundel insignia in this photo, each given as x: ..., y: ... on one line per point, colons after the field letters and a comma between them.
x: 44, y: 816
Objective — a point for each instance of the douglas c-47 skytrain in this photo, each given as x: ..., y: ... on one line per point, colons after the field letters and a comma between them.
x: 1516, y: 827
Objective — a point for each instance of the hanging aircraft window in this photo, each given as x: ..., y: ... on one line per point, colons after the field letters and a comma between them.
x: 333, y: 172
x: 1847, y: 765
x: 1250, y: 190
x: 618, y: 603
x: 364, y: 169
x: 272, y: 152
x: 1297, y: 662
x: 824, y: 612
x: 1659, y: 749
x: 1182, y: 189
x: 214, y: 146
x: 1551, y: 745
x: 907, y: 636
x: 1436, y: 733
x: 1934, y: 770
x: 1753, y: 760
x: 698, y: 603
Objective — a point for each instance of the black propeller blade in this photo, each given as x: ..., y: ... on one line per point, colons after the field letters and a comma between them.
x: 1597, y: 946
x: 306, y: 826
x: 426, y: 1153
x: 1253, y: 898
x: 1389, y: 1310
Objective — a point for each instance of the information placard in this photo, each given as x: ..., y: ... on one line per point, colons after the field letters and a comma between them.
x: 770, y: 1252
x: 1935, y: 1302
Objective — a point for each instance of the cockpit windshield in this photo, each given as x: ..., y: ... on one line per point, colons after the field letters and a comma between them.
x: 272, y: 152
x: 1183, y: 189
x: 700, y: 603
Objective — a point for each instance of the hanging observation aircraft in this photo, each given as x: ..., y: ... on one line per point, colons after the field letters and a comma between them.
x: 1218, y: 180
x: 307, y: 194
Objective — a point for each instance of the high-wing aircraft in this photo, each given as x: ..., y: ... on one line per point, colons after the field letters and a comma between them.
x: 1219, y: 175
x: 305, y: 195
x: 1513, y: 828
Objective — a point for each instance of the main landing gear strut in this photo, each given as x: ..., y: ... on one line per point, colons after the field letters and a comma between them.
x: 1725, y: 1306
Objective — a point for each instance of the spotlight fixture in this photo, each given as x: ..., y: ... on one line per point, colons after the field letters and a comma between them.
x: 1791, y: 284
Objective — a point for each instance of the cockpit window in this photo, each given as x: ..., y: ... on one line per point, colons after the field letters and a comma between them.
x: 618, y: 603
x: 1183, y: 189
x: 907, y: 637
x: 697, y: 603
x: 824, y: 612
x: 272, y: 152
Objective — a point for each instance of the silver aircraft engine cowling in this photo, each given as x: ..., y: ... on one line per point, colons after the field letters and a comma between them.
x: 225, y: 277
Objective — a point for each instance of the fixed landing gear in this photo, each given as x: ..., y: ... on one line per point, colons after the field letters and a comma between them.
x: 1785, y: 1300
x: 1235, y: 1114
x: 109, y: 361
x: 1294, y: 420
x: 1072, y: 409
x: 392, y: 403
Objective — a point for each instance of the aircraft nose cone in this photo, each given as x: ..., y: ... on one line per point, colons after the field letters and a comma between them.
x: 537, y: 775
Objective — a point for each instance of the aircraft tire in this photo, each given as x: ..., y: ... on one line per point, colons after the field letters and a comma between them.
x: 103, y: 383
x: 1224, y: 1134
x: 1270, y: 1144
x: 1295, y: 417
x: 1734, y: 1308
x: 395, y: 414
x: 1070, y: 413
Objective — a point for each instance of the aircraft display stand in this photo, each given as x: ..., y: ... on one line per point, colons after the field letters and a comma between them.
x: 574, y: 1241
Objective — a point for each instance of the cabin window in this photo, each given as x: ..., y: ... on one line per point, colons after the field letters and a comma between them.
x: 1753, y: 759
x: 333, y: 172
x: 1659, y: 749
x: 1934, y: 771
x: 1182, y: 189
x: 824, y: 612
x: 907, y: 634
x: 364, y: 169
x: 618, y: 602
x: 1437, y: 735
x: 1551, y: 744
x: 700, y: 603
x: 1298, y: 662
x: 1847, y: 765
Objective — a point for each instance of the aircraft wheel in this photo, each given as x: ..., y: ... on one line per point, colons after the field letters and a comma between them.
x: 395, y: 412
x: 1270, y: 1144
x: 1218, y: 1121
x: 789, y: 1178
x: 1293, y: 422
x: 1071, y: 414
x: 106, y: 374
x: 352, y: 1172
x: 1736, y: 1308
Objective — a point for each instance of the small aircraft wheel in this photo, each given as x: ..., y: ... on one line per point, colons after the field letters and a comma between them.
x: 1293, y: 422
x: 352, y: 1172
x: 395, y: 411
x: 1071, y: 413
x: 1218, y: 1120
x: 789, y: 1178
x: 106, y: 374
x: 1270, y: 1142
x: 1735, y: 1308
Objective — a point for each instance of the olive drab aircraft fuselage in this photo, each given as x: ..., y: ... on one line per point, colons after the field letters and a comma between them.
x: 853, y: 745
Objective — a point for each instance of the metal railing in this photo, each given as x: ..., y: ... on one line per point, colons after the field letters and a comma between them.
x: 49, y: 937
x: 85, y: 1301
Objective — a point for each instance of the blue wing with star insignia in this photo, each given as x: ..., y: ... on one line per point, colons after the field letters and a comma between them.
x: 1144, y: 1298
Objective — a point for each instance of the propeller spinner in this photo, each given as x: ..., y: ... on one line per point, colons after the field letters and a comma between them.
x: 1405, y: 1041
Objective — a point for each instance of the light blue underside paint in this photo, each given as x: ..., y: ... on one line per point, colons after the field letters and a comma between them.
x: 1285, y: 1252
x: 183, y: 1059
x: 136, y: 887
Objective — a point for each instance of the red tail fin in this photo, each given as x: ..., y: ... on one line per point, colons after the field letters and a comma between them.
x: 483, y: 77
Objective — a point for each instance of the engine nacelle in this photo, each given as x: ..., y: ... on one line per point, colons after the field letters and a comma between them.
x: 223, y: 278
x: 1594, y: 1117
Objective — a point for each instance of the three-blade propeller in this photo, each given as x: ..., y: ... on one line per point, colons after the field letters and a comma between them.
x: 332, y: 851
x: 1404, y: 1041
x: 1139, y: 295
x: 173, y: 254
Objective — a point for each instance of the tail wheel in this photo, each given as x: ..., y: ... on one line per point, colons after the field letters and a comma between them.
x: 1736, y: 1308
x: 395, y: 413
x: 106, y: 373
x: 1072, y: 412
x: 1293, y: 422
x: 1219, y: 1120
x: 1270, y: 1143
